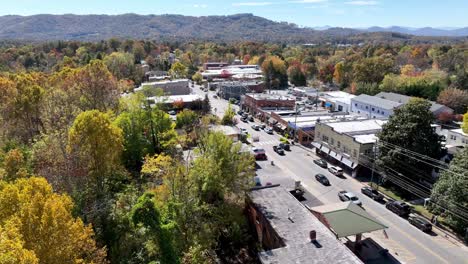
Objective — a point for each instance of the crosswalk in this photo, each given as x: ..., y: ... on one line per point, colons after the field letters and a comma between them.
x: 266, y: 143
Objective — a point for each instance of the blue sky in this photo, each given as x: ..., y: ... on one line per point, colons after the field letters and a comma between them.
x: 344, y: 13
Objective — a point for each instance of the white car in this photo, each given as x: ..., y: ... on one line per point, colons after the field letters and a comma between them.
x: 335, y: 170
x: 268, y: 130
x: 349, y: 196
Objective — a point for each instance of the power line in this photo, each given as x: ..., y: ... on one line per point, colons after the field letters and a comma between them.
x: 462, y: 216
x: 417, y: 184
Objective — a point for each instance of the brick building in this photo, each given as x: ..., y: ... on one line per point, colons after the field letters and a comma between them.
x: 257, y: 103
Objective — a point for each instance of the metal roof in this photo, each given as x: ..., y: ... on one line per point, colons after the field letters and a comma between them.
x: 376, y: 101
x: 292, y: 221
x: 348, y: 219
x: 400, y: 98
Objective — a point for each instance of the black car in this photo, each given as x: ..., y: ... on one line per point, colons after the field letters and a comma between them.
x: 285, y: 146
x: 262, y: 126
x: 372, y: 193
x: 322, y: 179
x: 278, y: 150
x: 322, y: 163
x: 420, y: 223
x: 251, y: 119
x: 399, y: 207
x: 244, y: 119
x: 240, y: 112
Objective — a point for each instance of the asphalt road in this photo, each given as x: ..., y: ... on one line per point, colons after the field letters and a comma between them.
x: 405, y: 242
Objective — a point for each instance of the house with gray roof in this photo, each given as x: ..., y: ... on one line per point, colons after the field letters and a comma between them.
x: 290, y: 233
x: 436, y: 108
x: 373, y: 106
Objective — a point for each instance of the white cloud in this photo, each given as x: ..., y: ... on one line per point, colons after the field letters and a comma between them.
x: 200, y: 5
x: 252, y: 4
x: 308, y: 1
x: 362, y: 3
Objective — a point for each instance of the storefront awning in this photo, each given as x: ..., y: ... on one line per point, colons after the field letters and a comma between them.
x: 338, y: 157
x: 316, y: 144
x: 281, y: 126
x: 325, y: 149
x: 332, y: 154
x: 347, y: 162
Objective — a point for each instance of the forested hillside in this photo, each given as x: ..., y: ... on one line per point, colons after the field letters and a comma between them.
x: 177, y: 27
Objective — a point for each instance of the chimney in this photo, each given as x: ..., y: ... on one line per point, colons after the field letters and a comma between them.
x: 313, y: 236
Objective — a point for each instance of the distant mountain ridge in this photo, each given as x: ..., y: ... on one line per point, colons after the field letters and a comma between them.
x: 240, y: 27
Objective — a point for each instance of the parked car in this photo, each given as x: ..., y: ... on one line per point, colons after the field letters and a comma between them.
x: 285, y: 146
x: 240, y: 112
x: 255, y: 127
x: 268, y: 130
x: 172, y: 113
x: 399, y: 207
x: 349, y: 196
x: 259, y: 154
x: 244, y: 119
x: 251, y: 119
x: 244, y: 131
x: 278, y: 150
x: 335, y: 171
x: 215, y: 96
x: 322, y: 179
x: 420, y: 223
x: 322, y: 163
x: 245, y: 115
x: 262, y: 126
x: 372, y: 193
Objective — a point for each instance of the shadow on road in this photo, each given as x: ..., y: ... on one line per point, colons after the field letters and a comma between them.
x: 370, y: 252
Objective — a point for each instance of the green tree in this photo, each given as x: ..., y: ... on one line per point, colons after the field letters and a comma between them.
x: 296, y: 76
x: 409, y: 129
x: 162, y: 131
x: 178, y: 70
x: 450, y: 195
x: 372, y: 69
x: 186, y: 119
x: 198, y: 78
x: 228, y: 117
x: 146, y: 213
x: 122, y: 66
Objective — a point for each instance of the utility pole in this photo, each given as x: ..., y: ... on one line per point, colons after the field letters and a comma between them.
x: 295, y: 123
x: 374, y: 150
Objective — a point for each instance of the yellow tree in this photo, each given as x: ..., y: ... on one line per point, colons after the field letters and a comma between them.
x: 98, y: 143
x: 42, y: 227
x: 12, y: 249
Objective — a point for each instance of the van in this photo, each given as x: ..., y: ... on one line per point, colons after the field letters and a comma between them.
x: 335, y: 170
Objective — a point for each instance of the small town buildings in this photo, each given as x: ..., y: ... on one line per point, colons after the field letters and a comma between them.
x: 289, y: 233
x: 436, y: 108
x: 336, y: 101
x: 189, y: 101
x: 214, y: 65
x: 168, y: 87
x: 456, y: 139
x: 228, y: 90
x: 232, y: 132
x: 344, y: 142
x: 373, y: 106
x: 257, y: 104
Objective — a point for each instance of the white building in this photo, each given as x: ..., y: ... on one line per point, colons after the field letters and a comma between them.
x: 169, y: 87
x: 373, y: 107
x: 456, y: 138
x: 337, y: 100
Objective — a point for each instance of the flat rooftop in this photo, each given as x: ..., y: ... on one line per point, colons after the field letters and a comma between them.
x: 174, y: 98
x: 293, y: 223
x: 264, y: 96
x: 357, y: 125
x: 376, y: 101
x: 365, y: 138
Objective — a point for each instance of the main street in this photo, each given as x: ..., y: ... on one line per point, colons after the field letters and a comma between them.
x: 405, y: 242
